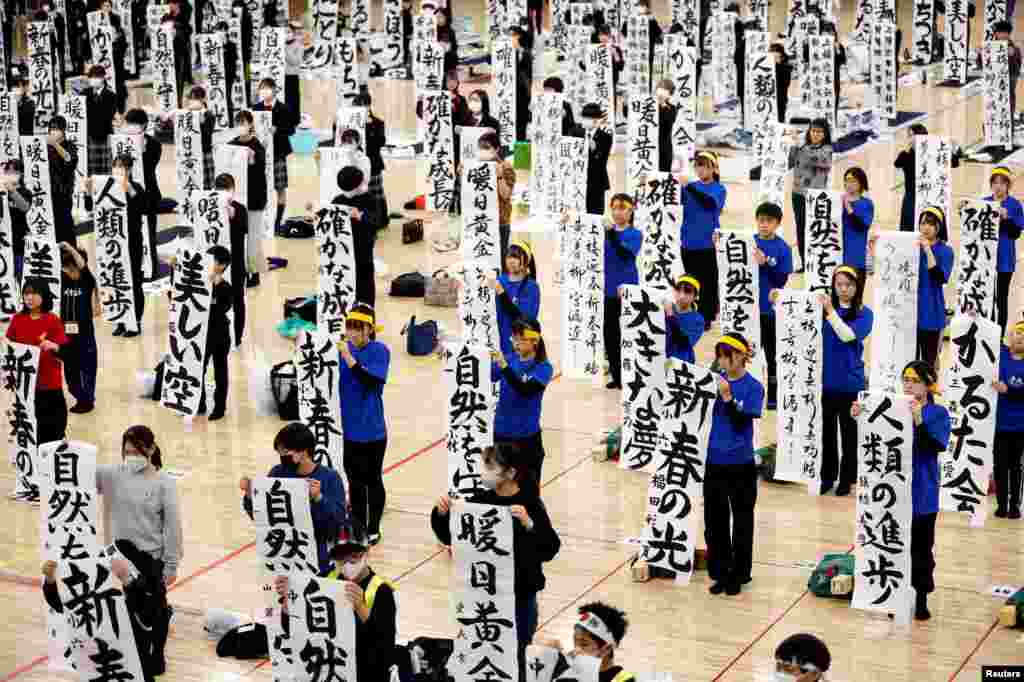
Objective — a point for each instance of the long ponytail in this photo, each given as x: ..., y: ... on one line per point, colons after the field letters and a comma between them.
x: 144, y: 441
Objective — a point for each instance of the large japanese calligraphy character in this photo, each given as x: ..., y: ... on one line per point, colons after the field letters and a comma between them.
x: 824, y: 254
x: 188, y: 156
x: 9, y: 294
x: 643, y: 375
x: 658, y: 215
x: 470, y: 414
x: 336, y: 291
x: 439, y: 151
x: 285, y: 539
x: 67, y: 473
x: 188, y: 317
x: 114, y: 278
x: 317, y: 373
x: 19, y: 371
x: 682, y: 67
x: 979, y: 244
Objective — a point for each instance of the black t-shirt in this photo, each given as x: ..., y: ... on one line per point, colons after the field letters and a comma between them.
x: 76, y: 301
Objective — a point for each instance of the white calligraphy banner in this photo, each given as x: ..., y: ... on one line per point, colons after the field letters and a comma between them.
x: 979, y: 245
x: 923, y: 37
x: 322, y: 629
x: 165, y: 82
x: 774, y: 159
x: 934, y: 157
x: 659, y: 213
x: 542, y: 661
x: 504, y: 66
x: 67, y: 473
x: 211, y: 51
x: 188, y: 157
x: 638, y: 54
x: 995, y: 11
x: 682, y: 66
x: 8, y: 127
x: 798, y: 339
x: 20, y: 369
x: 885, y: 430
x: 440, y: 143
x: 574, y: 162
x: 739, y: 292
x: 38, y: 39
x: 42, y: 256
x: 285, y: 539
x: 467, y: 375
x: 347, y: 79
x: 723, y: 67
x: 480, y: 234
x: 233, y: 159
x: 545, y: 176
x: 332, y: 160
x: 318, y: 61
x: 74, y: 108
x: 966, y: 466
x: 582, y: 245
x: 643, y: 139
x: 101, y: 38
x: 336, y: 292
x: 600, y: 88
x: 271, y: 58
x: 10, y: 296
x: 478, y: 306
x: 954, y: 66
x: 894, y: 336
x: 760, y: 84
x: 188, y: 320
x: 317, y: 377
x: 643, y: 375
x: 213, y: 227
x: 114, y: 276
x: 263, y: 129
x: 484, y: 590
x: 998, y: 120
x: 822, y: 98
x: 883, y: 68
x: 824, y: 238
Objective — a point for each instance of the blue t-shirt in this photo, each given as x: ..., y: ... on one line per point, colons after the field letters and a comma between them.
x: 525, y: 295
x: 934, y: 423
x: 362, y: 403
x: 732, y: 424
x: 843, y: 369
x: 1006, y: 254
x: 328, y: 514
x: 774, y: 273
x: 700, y: 221
x: 855, y: 239
x: 1010, y: 405
x: 517, y: 414
x: 684, y: 331
x: 931, y: 299
x: 620, y: 261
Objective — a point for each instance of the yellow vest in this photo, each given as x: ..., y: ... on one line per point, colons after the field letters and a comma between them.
x: 371, y: 591
x: 623, y: 676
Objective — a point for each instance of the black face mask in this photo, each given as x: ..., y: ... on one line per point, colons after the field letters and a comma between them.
x: 288, y: 464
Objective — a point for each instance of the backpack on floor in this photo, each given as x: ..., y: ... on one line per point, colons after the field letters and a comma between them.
x: 295, y: 228
x: 409, y: 285
x: 420, y: 339
x: 613, y: 444
x: 245, y: 642
x: 285, y: 388
x: 822, y: 582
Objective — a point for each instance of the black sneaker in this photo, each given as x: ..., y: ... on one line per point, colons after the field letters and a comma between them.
x: 82, y: 408
x: 717, y: 588
x: 1014, y: 514
x: 118, y: 330
x: 1000, y: 513
x: 613, y: 384
x: 842, y: 490
x: 215, y: 415
x: 732, y: 588
x: 825, y: 487
x: 129, y: 335
x: 254, y: 280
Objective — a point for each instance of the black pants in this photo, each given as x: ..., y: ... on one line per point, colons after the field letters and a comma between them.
x: 366, y: 286
x: 800, y: 218
x: 531, y: 452
x: 928, y: 341
x: 595, y: 200
x: 922, y: 559
x: 161, y: 613
x: 1009, y: 447
x: 838, y: 427
x: 219, y: 355
x: 504, y: 234
x: 138, y: 294
x: 238, y: 307
x: 730, y: 492
x: 364, y: 467
x: 51, y: 416
x: 613, y: 337
x: 1003, y: 280
x: 703, y: 264
x: 768, y: 345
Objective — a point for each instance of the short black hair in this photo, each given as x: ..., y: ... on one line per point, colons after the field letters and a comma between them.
x: 820, y: 124
x: 39, y: 286
x: 612, y: 617
x: 1003, y: 26
x: 137, y: 117
x: 364, y: 309
x: 220, y: 254
x: 918, y: 129
x: 489, y: 139
x: 592, y: 110
x: 554, y: 83
x: 295, y: 437
x: 859, y: 175
x: 268, y: 82
x: 59, y: 122
x: 804, y: 648
x: 224, y: 181
x: 350, y: 178
x: 623, y: 197
x: 97, y: 71
x: 351, y: 135
x: 244, y: 116
x: 68, y: 260
x: 769, y: 209
x: 363, y: 99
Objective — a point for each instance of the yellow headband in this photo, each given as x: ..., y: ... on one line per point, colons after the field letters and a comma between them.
x: 689, y: 279
x: 935, y: 211
x: 528, y: 333
x: 734, y: 343
x: 1005, y: 172
x: 1019, y: 327
x: 524, y: 247
x: 909, y: 373
x: 360, y: 317
x: 847, y: 270
x: 710, y: 156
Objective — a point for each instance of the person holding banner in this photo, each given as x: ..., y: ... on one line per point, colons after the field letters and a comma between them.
x: 622, y: 243
x: 849, y: 325
x: 218, y: 335
x: 1009, y: 440
x: 132, y: 569
x: 592, y: 126
x: 372, y: 599
x: 931, y: 437
x: 598, y: 632
x: 284, y: 120
x: 101, y: 104
x: 522, y: 379
x: 667, y: 113
x: 295, y: 45
x: 517, y: 290
x: 489, y: 149
x: 136, y: 121
x: 197, y: 102
x: 238, y: 229
x: 179, y: 20
x: 1011, y: 222
x: 230, y: 66
x: 906, y: 161
x: 858, y: 215
x: 36, y: 325
x: 365, y: 220
x: 480, y: 112
x: 142, y: 504
x: 446, y: 36
x: 138, y: 204
x: 812, y: 164
x: 26, y: 105
x: 603, y: 36
x: 730, y: 480
x: 522, y: 43
x: 295, y: 444
x: 685, y: 324
x: 63, y: 160
x: 364, y: 371
x: 774, y: 260
x: 783, y: 78
x: 119, y: 47
x: 13, y: 184
x: 554, y: 85
x: 376, y: 140
x: 935, y: 270
x: 80, y: 303
x: 703, y: 201
x: 802, y: 658
x: 505, y: 477
x: 256, y: 202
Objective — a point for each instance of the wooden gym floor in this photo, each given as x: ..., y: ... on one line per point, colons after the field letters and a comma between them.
x: 682, y: 630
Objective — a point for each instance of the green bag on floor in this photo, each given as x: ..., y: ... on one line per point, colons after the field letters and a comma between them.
x: 521, y: 160
x: 832, y: 565
x: 766, y: 462
x: 613, y: 443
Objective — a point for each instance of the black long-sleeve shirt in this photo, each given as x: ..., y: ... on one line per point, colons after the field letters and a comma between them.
x: 238, y: 229
x: 364, y: 231
x: 152, y: 151
x: 375, y: 639
x: 102, y: 106
x: 222, y: 299
x: 533, y: 548
x: 284, y: 121
x: 597, y: 168
x: 666, y: 121
x: 26, y: 115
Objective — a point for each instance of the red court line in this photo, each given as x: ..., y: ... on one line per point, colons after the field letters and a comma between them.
x: 25, y: 668
x: 206, y: 569
x: 21, y: 580
x: 764, y: 632
x: 579, y: 596
x: 409, y: 458
x: 963, y: 664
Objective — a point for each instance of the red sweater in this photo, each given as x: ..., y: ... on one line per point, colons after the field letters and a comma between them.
x: 24, y: 329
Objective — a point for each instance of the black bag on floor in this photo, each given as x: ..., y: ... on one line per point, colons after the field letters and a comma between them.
x: 303, y: 307
x: 429, y: 659
x: 295, y: 228
x: 158, y: 382
x: 286, y: 390
x: 245, y: 642
x: 409, y: 285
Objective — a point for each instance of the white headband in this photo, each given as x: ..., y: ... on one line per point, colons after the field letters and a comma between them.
x: 596, y: 627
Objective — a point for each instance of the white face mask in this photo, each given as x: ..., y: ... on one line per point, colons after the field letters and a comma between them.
x: 266, y: 93
x: 118, y: 173
x: 487, y: 155
x: 349, y: 147
x: 351, y: 571
x: 242, y: 131
x: 96, y: 83
x: 136, y: 464
x: 475, y: 106
x: 489, y: 478
x: 662, y: 95
x: 783, y: 677
x: 224, y: 194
